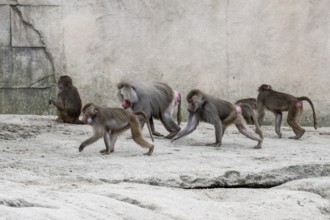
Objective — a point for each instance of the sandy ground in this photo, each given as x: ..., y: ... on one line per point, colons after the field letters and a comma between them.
x: 43, y: 176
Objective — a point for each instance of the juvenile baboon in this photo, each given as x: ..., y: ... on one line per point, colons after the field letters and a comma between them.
x: 109, y: 123
x: 68, y: 102
x: 220, y: 113
x: 249, y: 109
x: 278, y: 102
x: 156, y: 100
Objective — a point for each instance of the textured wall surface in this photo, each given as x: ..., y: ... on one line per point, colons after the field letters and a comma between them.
x: 224, y: 47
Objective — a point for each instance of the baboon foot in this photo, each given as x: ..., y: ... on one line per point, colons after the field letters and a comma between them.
x: 171, y: 135
x: 257, y: 147
x: 216, y: 144
x: 150, y: 151
x: 298, y: 136
x: 156, y: 133
x: 106, y: 152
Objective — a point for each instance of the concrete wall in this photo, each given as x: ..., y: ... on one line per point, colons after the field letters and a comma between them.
x: 224, y: 47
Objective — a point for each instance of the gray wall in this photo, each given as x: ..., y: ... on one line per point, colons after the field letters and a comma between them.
x: 224, y: 47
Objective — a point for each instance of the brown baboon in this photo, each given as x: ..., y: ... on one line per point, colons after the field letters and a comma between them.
x: 68, y: 102
x: 109, y: 123
x: 220, y: 113
x: 278, y: 102
x: 249, y: 109
x: 156, y: 100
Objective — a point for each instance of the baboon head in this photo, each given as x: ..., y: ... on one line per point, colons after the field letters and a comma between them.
x: 89, y: 112
x: 64, y: 81
x: 264, y: 87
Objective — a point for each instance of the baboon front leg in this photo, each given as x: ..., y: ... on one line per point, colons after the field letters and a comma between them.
x: 110, y: 144
x: 218, y: 134
x: 110, y: 139
x: 224, y: 127
x: 106, y: 138
x: 278, y: 121
x: 294, y: 116
x: 88, y: 142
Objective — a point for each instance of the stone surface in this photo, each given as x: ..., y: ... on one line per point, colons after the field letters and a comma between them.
x: 6, y: 66
x: 23, y: 33
x: 4, y: 25
x: 30, y: 64
x: 226, y: 48
x: 26, y: 100
x: 32, y: 2
x: 32, y: 68
x: 320, y: 186
x: 43, y: 172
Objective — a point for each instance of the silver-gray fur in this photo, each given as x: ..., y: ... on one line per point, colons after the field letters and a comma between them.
x: 154, y: 99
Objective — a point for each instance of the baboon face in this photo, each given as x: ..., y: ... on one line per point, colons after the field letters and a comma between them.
x: 64, y: 81
x: 89, y: 112
x: 127, y: 95
x: 195, y: 102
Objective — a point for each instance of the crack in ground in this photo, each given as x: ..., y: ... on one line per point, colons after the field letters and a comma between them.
x: 234, y: 179
x: 131, y: 201
x: 21, y: 203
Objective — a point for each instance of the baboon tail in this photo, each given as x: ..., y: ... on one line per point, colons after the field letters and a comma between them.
x: 311, y: 103
x: 178, y: 114
x: 147, y: 122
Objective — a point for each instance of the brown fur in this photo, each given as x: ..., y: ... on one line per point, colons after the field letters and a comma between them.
x: 278, y: 102
x: 68, y: 102
x: 249, y: 108
x: 109, y: 123
x: 220, y: 113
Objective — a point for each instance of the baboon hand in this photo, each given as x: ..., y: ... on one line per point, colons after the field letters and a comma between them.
x: 175, y: 138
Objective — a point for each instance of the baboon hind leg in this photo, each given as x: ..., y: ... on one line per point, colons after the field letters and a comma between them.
x: 137, y: 136
x: 110, y: 138
x: 278, y: 121
x: 153, y: 130
x: 248, y: 132
x: 294, y: 116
